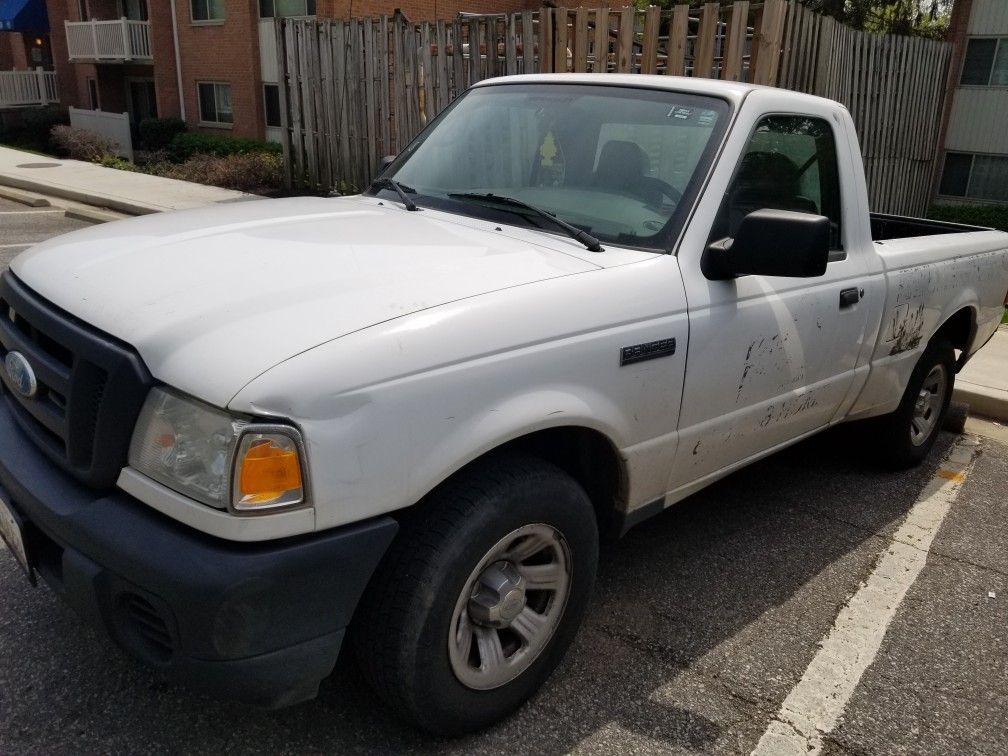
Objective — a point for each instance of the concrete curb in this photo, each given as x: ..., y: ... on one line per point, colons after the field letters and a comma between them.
x: 123, y: 206
x: 25, y: 198
x: 92, y: 214
x: 983, y: 401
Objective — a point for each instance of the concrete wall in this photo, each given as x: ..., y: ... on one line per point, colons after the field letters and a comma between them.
x: 989, y: 17
x: 978, y: 113
x: 977, y: 124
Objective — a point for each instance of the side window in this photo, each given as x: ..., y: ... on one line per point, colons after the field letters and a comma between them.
x: 789, y: 164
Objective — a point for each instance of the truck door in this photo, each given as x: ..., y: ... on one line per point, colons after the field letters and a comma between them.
x: 770, y: 358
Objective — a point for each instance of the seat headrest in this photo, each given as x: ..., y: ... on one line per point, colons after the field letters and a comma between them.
x: 622, y: 159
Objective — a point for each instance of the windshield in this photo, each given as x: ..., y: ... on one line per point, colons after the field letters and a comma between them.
x: 623, y: 164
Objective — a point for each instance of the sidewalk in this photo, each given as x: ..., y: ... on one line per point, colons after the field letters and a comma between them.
x: 122, y: 191
x: 983, y: 383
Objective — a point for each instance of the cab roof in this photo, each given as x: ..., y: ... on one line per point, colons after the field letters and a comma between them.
x: 732, y: 91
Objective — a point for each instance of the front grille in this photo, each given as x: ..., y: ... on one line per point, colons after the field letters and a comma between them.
x: 90, y: 386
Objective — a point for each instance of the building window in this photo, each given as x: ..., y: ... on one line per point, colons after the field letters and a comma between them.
x: 134, y: 10
x: 207, y: 10
x: 271, y: 101
x: 980, y: 177
x: 279, y: 8
x: 215, y: 102
x: 986, y: 63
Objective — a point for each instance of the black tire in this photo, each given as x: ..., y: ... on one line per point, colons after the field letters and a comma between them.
x: 400, y: 633
x: 893, y: 435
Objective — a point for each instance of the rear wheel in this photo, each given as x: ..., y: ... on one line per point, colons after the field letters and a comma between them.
x: 480, y: 595
x: 905, y: 437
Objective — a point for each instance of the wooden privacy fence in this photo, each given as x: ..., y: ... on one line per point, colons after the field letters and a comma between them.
x: 356, y: 90
x: 894, y: 88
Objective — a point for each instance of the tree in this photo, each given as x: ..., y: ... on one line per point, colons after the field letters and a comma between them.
x: 926, y: 18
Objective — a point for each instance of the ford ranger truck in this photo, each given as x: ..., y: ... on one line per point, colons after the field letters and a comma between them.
x: 243, y: 437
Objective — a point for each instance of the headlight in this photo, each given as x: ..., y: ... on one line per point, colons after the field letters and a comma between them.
x: 215, y: 458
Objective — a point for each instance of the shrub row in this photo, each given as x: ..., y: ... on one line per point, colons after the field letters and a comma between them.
x: 158, y: 133
x: 989, y: 216
x: 30, y: 128
x: 185, y: 146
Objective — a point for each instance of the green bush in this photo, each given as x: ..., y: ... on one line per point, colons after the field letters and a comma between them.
x: 31, y: 128
x: 185, y: 146
x: 157, y: 133
x: 989, y: 216
x: 114, y: 161
x: 43, y: 119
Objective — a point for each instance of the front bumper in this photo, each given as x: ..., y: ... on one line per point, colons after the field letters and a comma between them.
x: 261, y: 623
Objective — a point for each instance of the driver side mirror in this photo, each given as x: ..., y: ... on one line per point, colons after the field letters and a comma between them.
x: 771, y: 243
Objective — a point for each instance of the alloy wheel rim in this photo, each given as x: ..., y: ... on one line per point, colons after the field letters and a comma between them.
x: 928, y: 405
x: 509, y: 607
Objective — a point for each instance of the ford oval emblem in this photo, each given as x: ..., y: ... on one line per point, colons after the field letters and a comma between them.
x: 21, y: 375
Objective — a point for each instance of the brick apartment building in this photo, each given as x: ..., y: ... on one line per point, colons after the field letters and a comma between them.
x: 22, y: 50
x: 24, y: 35
x: 210, y: 62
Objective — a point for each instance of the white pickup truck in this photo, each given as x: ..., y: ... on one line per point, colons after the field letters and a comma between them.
x: 233, y: 436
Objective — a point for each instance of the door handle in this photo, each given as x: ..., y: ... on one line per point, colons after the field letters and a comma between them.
x: 850, y: 297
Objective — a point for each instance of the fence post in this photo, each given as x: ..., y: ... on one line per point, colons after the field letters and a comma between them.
x: 731, y: 66
x: 124, y: 28
x: 94, y: 38
x: 703, y: 49
x: 675, y: 57
x: 282, y: 65
x: 824, y: 51
x: 545, y: 40
x: 40, y: 80
x: 771, y: 34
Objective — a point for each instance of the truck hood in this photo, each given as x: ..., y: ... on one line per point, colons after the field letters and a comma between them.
x: 211, y: 298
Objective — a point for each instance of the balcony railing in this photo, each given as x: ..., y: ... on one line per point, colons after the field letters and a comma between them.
x: 21, y: 89
x: 119, y: 40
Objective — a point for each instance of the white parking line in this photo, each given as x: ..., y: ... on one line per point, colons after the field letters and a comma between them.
x: 15, y: 246
x: 816, y: 703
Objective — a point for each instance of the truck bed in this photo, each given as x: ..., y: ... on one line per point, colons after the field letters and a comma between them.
x: 886, y: 227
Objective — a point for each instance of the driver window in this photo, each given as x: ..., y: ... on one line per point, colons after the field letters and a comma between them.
x: 789, y: 164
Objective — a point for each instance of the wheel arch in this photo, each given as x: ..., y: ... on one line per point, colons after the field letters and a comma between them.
x: 960, y: 328
x: 588, y: 455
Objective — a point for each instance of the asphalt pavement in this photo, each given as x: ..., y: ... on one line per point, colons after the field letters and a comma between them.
x: 703, y: 621
x: 21, y: 226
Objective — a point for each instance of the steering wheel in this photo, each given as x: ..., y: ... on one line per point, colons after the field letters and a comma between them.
x: 652, y: 183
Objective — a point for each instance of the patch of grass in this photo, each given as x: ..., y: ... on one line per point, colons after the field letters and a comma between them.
x: 1004, y: 318
x: 989, y: 216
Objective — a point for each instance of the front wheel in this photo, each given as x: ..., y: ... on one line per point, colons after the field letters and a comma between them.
x: 480, y: 596
x: 905, y: 437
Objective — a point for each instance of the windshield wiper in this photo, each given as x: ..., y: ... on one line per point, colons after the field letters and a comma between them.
x: 593, y: 244
x: 395, y: 186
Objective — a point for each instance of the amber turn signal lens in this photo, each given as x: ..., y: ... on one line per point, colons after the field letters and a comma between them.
x: 268, y: 473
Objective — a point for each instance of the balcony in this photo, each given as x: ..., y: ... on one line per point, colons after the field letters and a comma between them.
x: 119, y: 41
x: 22, y: 89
